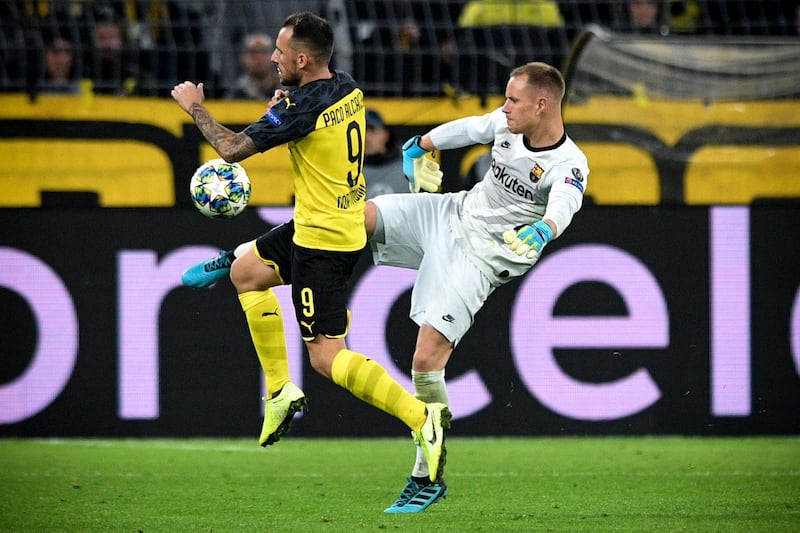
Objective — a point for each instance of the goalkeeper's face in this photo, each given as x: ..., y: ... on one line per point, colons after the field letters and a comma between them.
x: 523, y: 107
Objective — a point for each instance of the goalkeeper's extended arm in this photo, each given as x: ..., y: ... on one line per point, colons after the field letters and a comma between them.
x: 529, y: 240
x: 421, y: 172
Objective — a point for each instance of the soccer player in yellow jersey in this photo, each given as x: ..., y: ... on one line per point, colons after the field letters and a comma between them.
x: 322, y: 120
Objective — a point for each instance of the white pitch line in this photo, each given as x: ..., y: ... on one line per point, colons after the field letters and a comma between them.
x: 151, y: 444
x: 246, y: 448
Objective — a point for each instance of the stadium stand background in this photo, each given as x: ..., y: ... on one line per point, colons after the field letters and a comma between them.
x: 699, y: 107
x: 394, y: 48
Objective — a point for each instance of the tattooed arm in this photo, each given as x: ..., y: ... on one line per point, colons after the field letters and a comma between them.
x: 231, y: 146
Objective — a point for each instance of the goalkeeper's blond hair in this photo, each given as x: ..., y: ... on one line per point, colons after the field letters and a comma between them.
x: 542, y: 76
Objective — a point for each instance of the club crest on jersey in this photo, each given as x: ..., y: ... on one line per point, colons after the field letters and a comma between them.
x: 536, y: 173
x: 274, y: 118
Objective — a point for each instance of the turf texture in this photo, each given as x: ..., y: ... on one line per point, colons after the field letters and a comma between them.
x: 495, y: 484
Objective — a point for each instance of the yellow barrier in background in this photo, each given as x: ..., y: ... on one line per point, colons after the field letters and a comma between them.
x: 723, y: 153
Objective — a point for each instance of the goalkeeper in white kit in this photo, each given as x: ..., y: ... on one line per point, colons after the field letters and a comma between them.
x: 466, y: 244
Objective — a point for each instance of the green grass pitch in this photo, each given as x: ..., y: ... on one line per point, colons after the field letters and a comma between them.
x: 307, y: 485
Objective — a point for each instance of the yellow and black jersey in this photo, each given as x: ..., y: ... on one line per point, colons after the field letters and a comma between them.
x: 323, y: 123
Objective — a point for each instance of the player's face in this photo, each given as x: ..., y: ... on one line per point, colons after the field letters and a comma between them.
x: 522, y: 106
x: 285, y: 58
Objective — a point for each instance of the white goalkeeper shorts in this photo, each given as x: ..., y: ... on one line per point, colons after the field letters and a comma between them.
x: 449, y: 289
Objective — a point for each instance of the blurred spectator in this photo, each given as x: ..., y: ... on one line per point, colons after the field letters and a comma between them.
x: 684, y: 16
x: 383, y: 158
x: 436, y: 26
x: 260, y: 77
x: 387, y: 23
x: 231, y: 20
x: 388, y: 38
x: 797, y: 19
x: 643, y: 17
x: 58, y: 61
x: 494, y: 36
x: 112, y: 68
x: 510, y: 12
x: 766, y: 17
x: 14, y: 41
x: 402, y: 47
x: 183, y: 42
x: 579, y: 14
x: 399, y: 47
x: 39, y: 23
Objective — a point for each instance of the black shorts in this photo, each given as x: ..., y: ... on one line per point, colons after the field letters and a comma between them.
x: 319, y: 279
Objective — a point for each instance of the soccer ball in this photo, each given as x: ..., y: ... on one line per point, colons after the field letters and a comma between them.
x: 220, y: 189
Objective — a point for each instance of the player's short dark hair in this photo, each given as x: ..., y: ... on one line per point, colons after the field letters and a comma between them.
x: 542, y: 76
x: 312, y: 33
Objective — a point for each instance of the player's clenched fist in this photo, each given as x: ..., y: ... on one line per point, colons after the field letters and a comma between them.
x: 529, y: 240
x: 187, y: 94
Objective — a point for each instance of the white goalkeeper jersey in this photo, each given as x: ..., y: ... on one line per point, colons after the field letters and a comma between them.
x: 523, y: 185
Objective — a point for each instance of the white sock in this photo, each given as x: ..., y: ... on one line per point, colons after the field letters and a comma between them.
x: 429, y: 387
x: 242, y: 248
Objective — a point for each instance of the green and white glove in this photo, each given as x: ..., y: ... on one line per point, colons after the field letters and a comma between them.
x: 529, y: 240
x: 421, y: 172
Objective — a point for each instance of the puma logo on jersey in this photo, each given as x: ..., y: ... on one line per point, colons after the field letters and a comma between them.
x: 308, y: 326
x: 289, y: 103
x: 270, y: 313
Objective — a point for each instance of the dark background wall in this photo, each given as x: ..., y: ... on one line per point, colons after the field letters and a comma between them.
x: 638, y: 320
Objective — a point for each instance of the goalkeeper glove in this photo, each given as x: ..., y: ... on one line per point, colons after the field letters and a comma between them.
x: 529, y: 240
x: 421, y: 172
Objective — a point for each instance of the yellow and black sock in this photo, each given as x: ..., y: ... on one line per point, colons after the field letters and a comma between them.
x: 265, y: 320
x: 369, y: 381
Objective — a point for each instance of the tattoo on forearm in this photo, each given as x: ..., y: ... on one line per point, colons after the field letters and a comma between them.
x: 230, y: 145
